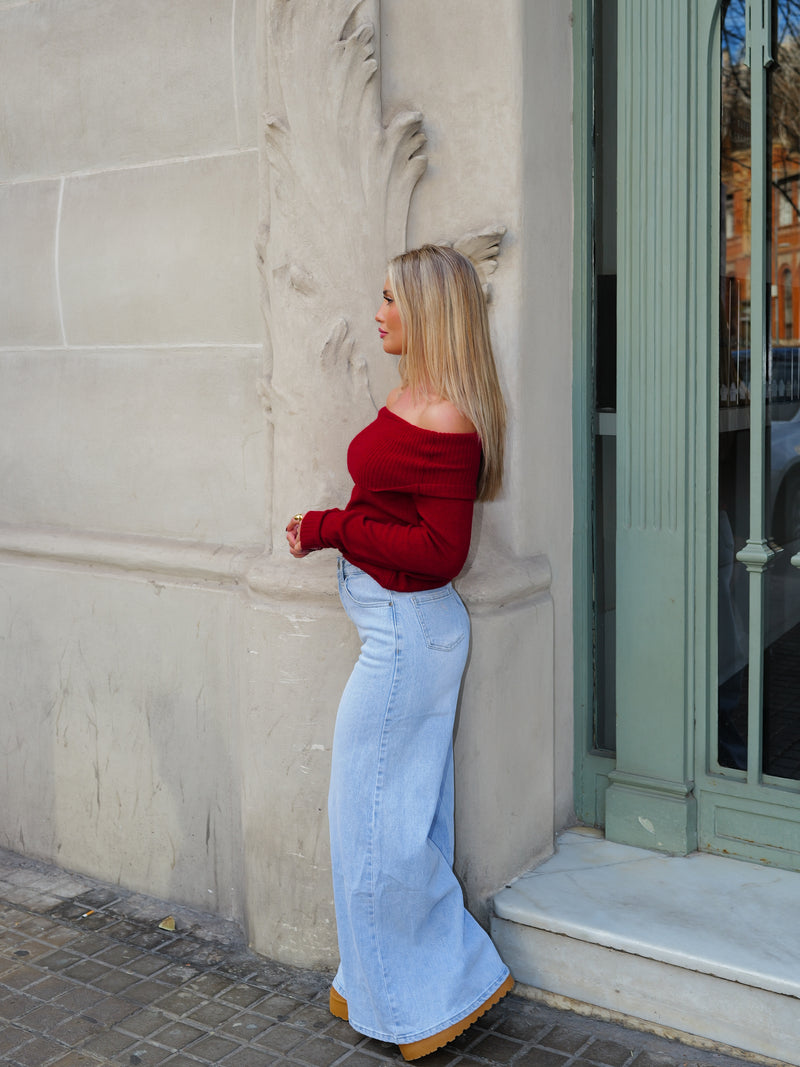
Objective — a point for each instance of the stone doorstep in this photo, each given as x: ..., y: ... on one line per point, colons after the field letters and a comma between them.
x: 700, y: 944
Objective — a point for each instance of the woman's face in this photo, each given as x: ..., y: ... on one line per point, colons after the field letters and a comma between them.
x: 390, y: 327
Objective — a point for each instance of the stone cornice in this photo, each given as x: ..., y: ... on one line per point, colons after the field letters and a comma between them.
x: 149, y: 558
x: 497, y: 583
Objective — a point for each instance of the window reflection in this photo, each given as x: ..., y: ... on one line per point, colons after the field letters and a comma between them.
x: 734, y: 391
x: 781, y: 477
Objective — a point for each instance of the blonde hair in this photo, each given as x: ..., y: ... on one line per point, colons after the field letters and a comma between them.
x: 448, y: 349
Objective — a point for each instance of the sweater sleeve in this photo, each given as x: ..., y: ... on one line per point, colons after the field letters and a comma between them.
x: 437, y: 544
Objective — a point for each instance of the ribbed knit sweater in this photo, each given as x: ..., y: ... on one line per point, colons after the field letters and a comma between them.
x: 409, y: 519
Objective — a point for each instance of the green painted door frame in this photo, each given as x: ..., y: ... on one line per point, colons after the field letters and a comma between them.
x: 663, y: 788
x: 664, y: 335
x: 664, y: 243
x: 591, y: 768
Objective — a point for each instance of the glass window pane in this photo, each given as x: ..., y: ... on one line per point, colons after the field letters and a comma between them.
x: 734, y: 392
x: 781, y: 475
x: 781, y: 710
x: 605, y: 373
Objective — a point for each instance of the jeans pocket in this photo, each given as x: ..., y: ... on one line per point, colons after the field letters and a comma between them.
x: 363, y: 590
x: 442, y: 618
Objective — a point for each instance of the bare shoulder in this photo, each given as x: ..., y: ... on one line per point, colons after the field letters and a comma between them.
x: 444, y: 417
x: 429, y: 413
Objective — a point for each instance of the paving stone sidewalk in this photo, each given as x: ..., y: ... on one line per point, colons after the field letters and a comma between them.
x: 87, y: 977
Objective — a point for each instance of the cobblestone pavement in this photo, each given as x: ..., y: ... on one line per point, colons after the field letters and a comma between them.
x: 88, y: 976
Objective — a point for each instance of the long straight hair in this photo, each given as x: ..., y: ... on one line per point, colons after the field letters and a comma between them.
x: 448, y: 350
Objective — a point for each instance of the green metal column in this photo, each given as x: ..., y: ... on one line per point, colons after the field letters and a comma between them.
x: 650, y: 801
x: 757, y: 553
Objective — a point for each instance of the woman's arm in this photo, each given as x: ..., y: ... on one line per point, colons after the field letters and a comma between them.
x: 436, y: 544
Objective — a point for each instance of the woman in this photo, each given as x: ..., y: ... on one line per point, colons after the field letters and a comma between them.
x: 416, y: 969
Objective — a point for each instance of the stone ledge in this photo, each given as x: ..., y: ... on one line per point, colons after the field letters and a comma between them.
x: 703, y: 944
x: 143, y: 556
x: 270, y: 579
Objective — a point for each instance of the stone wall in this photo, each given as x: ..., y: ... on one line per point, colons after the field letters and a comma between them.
x: 132, y: 437
x: 169, y: 675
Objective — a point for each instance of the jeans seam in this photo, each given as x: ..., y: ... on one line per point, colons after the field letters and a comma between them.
x: 378, y: 781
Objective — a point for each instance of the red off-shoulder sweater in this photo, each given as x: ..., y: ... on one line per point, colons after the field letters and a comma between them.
x: 409, y: 518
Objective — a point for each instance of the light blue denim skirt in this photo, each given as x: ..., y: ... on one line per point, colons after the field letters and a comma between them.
x: 413, y: 960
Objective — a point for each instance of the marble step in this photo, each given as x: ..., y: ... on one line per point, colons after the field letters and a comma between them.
x: 703, y: 945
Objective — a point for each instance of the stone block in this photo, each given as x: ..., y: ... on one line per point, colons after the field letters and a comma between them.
x: 248, y: 72
x: 474, y: 173
x: 155, y: 443
x: 120, y: 732
x: 300, y: 656
x: 28, y: 294
x: 91, y: 85
x: 163, y: 255
x: 504, y: 745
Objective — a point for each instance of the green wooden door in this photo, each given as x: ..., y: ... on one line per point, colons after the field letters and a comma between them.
x: 706, y: 584
x: 749, y: 773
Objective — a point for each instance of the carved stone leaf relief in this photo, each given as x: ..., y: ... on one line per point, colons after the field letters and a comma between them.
x: 483, y: 248
x: 340, y: 180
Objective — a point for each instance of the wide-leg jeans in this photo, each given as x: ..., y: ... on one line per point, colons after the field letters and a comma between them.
x: 413, y: 960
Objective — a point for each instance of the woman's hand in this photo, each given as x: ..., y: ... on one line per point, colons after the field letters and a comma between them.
x: 293, y: 537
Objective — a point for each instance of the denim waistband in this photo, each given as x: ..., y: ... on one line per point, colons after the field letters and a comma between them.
x: 346, y: 568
